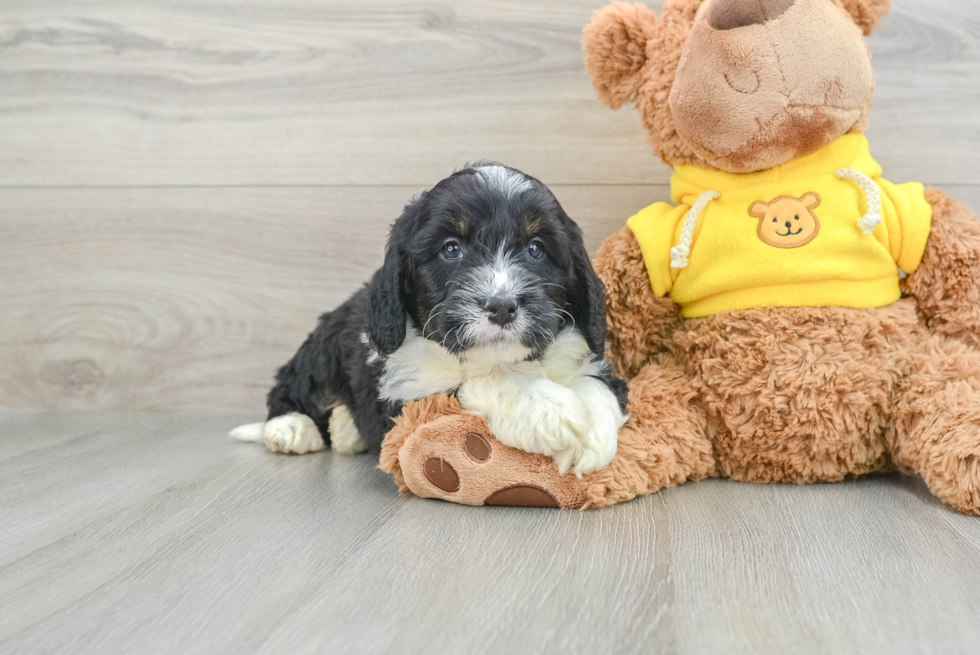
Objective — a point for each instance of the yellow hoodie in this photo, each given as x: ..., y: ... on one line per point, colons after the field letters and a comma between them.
x: 822, y: 230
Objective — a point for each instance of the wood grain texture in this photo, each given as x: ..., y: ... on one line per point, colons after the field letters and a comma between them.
x: 184, y: 186
x: 130, y: 533
x: 222, y: 92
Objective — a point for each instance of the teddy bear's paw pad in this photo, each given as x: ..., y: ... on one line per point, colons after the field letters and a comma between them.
x: 441, y: 473
x: 522, y: 495
x: 477, y: 448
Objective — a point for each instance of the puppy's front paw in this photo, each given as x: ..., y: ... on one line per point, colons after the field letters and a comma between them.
x: 586, y: 455
x: 605, y: 420
x: 588, y: 418
x: 292, y: 433
x: 554, y: 422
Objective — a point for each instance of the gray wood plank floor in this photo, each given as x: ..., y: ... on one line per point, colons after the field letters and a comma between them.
x: 142, y: 533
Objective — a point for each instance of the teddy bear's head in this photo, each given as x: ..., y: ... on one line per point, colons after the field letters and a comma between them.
x: 737, y: 85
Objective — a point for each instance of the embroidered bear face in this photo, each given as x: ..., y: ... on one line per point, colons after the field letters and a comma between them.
x: 787, y: 222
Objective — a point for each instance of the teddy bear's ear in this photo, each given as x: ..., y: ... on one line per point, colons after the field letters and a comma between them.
x: 867, y: 13
x: 758, y: 209
x: 810, y: 200
x: 615, y: 44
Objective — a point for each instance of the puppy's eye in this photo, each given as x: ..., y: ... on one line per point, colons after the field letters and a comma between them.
x: 797, y: 217
x: 452, y: 250
x: 535, y: 250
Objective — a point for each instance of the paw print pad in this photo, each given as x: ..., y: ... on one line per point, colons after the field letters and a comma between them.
x: 477, y: 448
x: 522, y: 495
x: 441, y: 473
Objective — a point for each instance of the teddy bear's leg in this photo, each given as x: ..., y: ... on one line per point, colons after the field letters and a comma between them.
x: 935, y: 430
x: 437, y: 450
x: 665, y: 442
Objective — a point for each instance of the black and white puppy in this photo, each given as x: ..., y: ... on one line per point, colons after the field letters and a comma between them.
x: 487, y: 292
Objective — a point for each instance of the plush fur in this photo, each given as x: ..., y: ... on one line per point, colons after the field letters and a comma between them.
x: 486, y: 291
x: 775, y: 395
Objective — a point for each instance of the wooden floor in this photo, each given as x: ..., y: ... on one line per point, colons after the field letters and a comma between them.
x: 141, y: 533
x: 186, y: 184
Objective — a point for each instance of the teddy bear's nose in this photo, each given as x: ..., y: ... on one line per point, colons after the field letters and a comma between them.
x: 729, y: 14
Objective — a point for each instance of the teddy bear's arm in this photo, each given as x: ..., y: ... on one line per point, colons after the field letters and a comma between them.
x: 947, y: 281
x: 639, y: 322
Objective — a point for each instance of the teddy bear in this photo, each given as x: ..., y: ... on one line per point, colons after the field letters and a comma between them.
x: 792, y: 316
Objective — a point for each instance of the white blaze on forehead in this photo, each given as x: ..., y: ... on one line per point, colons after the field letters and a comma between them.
x: 505, y: 276
x: 504, y: 180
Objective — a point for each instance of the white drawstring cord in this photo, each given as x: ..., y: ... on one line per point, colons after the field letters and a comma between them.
x: 679, y: 253
x: 872, y: 219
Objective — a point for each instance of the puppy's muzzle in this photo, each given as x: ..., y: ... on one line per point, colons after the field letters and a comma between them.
x: 500, y: 310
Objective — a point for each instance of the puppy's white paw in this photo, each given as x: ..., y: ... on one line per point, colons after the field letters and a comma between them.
x: 605, y: 420
x: 561, y: 423
x: 544, y: 417
x: 576, y: 426
x: 586, y: 454
x: 344, y: 436
x: 292, y: 433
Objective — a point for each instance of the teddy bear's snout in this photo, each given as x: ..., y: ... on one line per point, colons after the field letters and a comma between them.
x: 730, y: 14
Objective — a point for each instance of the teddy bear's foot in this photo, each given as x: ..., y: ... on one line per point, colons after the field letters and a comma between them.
x: 455, y: 457
x: 936, y: 431
x: 956, y: 478
x: 949, y: 459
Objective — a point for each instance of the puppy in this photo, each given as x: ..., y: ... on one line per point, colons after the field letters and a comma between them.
x: 487, y: 292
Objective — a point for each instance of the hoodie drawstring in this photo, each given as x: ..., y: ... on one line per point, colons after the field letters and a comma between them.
x: 872, y: 219
x: 679, y: 253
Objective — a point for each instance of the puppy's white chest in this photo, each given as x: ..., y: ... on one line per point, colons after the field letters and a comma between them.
x: 422, y: 368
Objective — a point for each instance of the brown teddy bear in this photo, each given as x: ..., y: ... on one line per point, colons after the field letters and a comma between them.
x: 761, y: 320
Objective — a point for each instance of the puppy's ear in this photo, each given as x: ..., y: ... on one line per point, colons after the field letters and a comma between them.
x: 387, y: 312
x: 615, y: 45
x: 867, y: 13
x: 587, y: 295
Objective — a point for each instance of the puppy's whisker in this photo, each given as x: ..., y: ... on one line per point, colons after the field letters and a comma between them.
x: 443, y: 342
x: 432, y: 314
x: 568, y: 314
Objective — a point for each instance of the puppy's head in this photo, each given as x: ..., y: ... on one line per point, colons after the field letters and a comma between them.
x: 486, y: 259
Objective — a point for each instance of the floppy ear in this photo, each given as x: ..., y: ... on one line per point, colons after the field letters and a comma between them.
x: 387, y: 312
x: 867, y: 13
x: 615, y: 44
x: 587, y: 296
x: 758, y: 209
x: 810, y: 200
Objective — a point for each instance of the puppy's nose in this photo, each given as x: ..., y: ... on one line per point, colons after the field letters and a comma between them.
x: 789, y: 225
x: 499, y: 310
x: 729, y: 14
